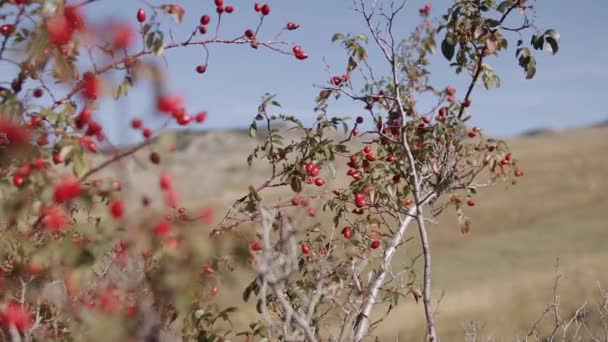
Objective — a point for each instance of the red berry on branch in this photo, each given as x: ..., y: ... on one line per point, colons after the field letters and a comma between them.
x: 257, y: 7
x: 166, y: 182
x: 141, y: 15
x: 147, y: 133
x: 229, y: 9
x: 519, y: 173
x: 136, y: 123
x: 375, y: 244
x: 470, y: 202
x: 117, y: 208
x: 312, y: 212
x: 466, y: 103
x: 38, y: 92
x: 355, y: 132
x: 202, y: 29
x: 18, y: 180
x: 336, y: 80
x: 301, y: 55
x: 219, y: 3
x: 205, y: 20
x: 450, y: 90
x: 200, y: 117
x: 220, y: 9
x: 265, y: 9
x: 201, y: 68
x: 305, y: 248
x: 256, y: 246
x: 347, y: 232
x: 184, y: 120
x: 319, y: 182
x: 7, y: 29
x: 371, y: 157
x: 472, y: 134
x: 249, y: 33
x: 367, y: 149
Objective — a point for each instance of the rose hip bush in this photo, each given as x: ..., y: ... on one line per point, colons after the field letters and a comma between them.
x: 80, y: 259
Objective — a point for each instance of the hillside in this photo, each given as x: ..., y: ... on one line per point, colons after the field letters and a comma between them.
x: 502, y: 272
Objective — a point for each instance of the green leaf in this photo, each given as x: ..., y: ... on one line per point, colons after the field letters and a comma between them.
x: 296, y: 184
x: 337, y: 36
x: 177, y: 12
x: 502, y: 8
x: 552, y: 45
x: 448, y: 48
x: 79, y: 163
x: 253, y: 129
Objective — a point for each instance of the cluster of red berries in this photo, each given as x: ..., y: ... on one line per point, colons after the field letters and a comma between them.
x: 69, y: 188
x: 302, y: 202
x: 337, y: 80
x: 312, y: 170
x: 61, y: 27
x: 299, y: 53
x: 220, y: 8
x: 263, y: 9
x: 24, y: 171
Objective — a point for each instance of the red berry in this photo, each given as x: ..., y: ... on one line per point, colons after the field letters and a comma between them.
x: 201, y: 68
x: 265, y: 9
x: 451, y: 99
x: 208, y: 270
x: 519, y: 173
x: 18, y: 180
x: 184, y: 120
x: 292, y: 26
x: 38, y: 92
x: 508, y: 157
x: 257, y: 7
x: 359, y: 120
x: 301, y: 55
x: 470, y: 202
x: 450, y: 90
x: 202, y: 29
x: 347, y: 232
x: 147, y: 132
x: 16, y: 315
x: 312, y: 212
x: 442, y: 111
x: 136, y: 123
x: 219, y: 3
x: 256, y: 246
x: 7, y: 29
x: 205, y: 20
x: 229, y: 9
x: 391, y: 158
x: 367, y: 149
x: 67, y: 189
x: 200, y: 117
x: 472, y: 134
x: 426, y: 120
x: 141, y: 15
x: 375, y: 244
x: 166, y: 183
x: 407, y: 202
x: 336, y: 80
x: 220, y: 9
x: 56, y: 158
x: 370, y: 157
x: 319, y: 182
x: 355, y: 132
x: 305, y: 248
x: 117, y: 208
x: 466, y: 103
x: 249, y: 33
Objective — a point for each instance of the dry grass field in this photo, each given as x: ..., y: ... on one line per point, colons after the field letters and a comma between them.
x: 501, y: 274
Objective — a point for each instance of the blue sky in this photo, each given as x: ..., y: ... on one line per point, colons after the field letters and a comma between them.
x: 567, y: 91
